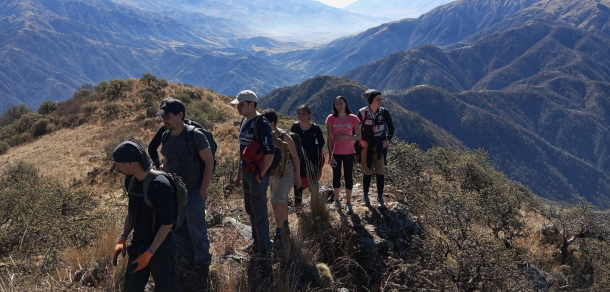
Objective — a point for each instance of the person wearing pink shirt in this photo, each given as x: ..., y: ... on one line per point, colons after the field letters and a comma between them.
x: 342, y: 128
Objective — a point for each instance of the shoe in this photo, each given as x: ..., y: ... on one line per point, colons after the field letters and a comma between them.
x: 337, y: 205
x: 380, y: 203
x: 286, y: 229
x: 350, y: 210
x: 365, y: 201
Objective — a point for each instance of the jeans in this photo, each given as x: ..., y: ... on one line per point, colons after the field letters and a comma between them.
x: 255, y: 199
x: 161, y: 266
x: 192, y: 236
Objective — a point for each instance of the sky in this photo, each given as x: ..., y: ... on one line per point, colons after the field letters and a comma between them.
x: 337, y: 3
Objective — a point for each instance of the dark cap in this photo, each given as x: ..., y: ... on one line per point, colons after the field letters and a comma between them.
x: 171, y: 105
x: 370, y: 95
x: 129, y: 151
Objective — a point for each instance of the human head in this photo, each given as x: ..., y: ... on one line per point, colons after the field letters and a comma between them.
x: 128, y: 156
x: 304, y: 113
x: 370, y: 95
x: 246, y: 102
x: 344, y: 100
x: 173, y: 106
x: 271, y: 116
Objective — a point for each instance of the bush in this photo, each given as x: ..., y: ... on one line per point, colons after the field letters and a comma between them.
x: 19, y: 139
x: 89, y: 108
x: 116, y: 87
x: 111, y: 110
x: 47, y: 107
x: 45, y: 216
x: 148, y: 78
x: 26, y: 122
x: 81, y: 93
x: 4, y: 147
x: 39, y: 128
x: 101, y: 86
x: 12, y: 114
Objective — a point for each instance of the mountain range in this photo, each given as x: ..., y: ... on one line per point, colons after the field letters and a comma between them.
x: 394, y: 9
x: 525, y: 80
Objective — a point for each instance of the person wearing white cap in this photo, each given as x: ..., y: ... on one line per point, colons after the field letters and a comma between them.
x: 255, y: 183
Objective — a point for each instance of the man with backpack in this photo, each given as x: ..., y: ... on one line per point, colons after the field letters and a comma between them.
x: 285, y: 176
x: 195, y: 169
x: 255, y: 132
x: 377, y: 131
x: 152, y: 247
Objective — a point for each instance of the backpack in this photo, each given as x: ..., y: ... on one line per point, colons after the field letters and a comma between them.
x: 256, y: 163
x: 357, y: 146
x: 180, y: 195
x: 190, y: 141
x: 297, y: 143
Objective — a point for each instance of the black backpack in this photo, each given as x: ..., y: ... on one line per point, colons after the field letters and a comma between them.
x: 190, y: 141
x: 297, y: 142
x: 180, y: 195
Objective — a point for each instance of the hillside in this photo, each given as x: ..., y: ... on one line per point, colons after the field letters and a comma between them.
x: 50, y: 48
x: 452, y: 222
x: 523, y: 78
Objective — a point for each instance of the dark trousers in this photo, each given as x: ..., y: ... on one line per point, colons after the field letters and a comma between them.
x: 161, y: 266
x: 347, y: 161
x: 255, y: 200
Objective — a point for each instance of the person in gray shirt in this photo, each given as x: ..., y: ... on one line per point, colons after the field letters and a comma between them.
x: 196, y: 171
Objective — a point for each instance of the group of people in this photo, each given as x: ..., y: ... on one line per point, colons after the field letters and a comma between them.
x: 169, y: 256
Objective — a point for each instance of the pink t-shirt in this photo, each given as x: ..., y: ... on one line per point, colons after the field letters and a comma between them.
x: 343, y: 126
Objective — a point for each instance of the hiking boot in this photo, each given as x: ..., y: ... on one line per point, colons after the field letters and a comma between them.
x: 277, y: 242
x: 380, y: 203
x: 286, y: 229
x: 365, y: 201
x: 350, y: 210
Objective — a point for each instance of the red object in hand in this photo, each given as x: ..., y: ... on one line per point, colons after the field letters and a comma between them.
x: 142, y: 261
x: 120, y: 248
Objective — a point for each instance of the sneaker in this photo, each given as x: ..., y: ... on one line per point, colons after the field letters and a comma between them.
x: 365, y: 201
x: 350, y: 211
x: 380, y: 203
x: 337, y: 205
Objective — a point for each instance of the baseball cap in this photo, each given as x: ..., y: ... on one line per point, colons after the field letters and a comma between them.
x: 171, y: 105
x: 245, y: 95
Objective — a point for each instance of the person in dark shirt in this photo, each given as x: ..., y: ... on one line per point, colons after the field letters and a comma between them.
x: 255, y: 183
x: 152, y: 247
x: 192, y: 235
x: 377, y: 132
x: 312, y: 141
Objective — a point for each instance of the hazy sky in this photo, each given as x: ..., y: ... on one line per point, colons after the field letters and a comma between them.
x: 337, y: 3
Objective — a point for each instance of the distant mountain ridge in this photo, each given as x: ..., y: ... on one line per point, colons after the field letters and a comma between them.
x: 394, y: 9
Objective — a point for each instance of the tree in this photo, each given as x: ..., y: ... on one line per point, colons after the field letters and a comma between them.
x: 47, y: 107
x: 148, y: 78
x: 116, y: 87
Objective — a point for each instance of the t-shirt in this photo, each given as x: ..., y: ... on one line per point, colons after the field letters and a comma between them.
x: 345, y: 126
x: 312, y: 141
x: 181, y: 161
x: 246, y: 135
x: 161, y: 196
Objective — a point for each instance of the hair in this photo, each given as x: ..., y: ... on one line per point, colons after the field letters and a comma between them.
x: 270, y: 115
x: 305, y: 108
x: 255, y: 103
x: 335, y: 111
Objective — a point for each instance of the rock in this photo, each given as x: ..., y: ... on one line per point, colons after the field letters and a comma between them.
x: 400, y: 219
x: 245, y: 231
x: 537, y: 278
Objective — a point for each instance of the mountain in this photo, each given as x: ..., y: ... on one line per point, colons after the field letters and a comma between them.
x: 310, y: 20
x: 394, y: 9
x: 536, y: 97
x: 320, y: 91
x: 452, y: 25
x: 51, y: 47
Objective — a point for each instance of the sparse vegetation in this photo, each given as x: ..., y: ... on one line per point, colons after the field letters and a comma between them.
x: 453, y: 223
x: 47, y: 107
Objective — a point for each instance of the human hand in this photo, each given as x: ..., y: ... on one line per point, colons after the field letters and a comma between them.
x: 364, y: 144
x: 142, y: 261
x: 386, y: 143
x: 238, y: 182
x: 119, y: 249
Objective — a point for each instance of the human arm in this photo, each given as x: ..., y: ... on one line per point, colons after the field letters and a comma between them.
x: 121, y: 243
x: 208, y: 171
x: 154, y: 145
x: 391, y: 129
x: 238, y: 176
x: 329, y: 136
x: 319, y: 136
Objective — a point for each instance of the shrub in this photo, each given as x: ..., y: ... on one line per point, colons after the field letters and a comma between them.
x: 4, y: 147
x: 89, y: 108
x: 148, y: 78
x: 39, y: 127
x: 81, y: 93
x: 111, y: 110
x: 13, y: 113
x: 101, y: 86
x: 25, y: 122
x: 47, y: 107
x: 116, y: 87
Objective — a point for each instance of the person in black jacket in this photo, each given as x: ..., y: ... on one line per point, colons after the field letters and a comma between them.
x: 152, y: 248
x: 377, y: 132
x: 312, y: 141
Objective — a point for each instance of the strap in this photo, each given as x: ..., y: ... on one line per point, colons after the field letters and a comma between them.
x: 256, y: 137
x: 190, y: 140
x: 165, y: 137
